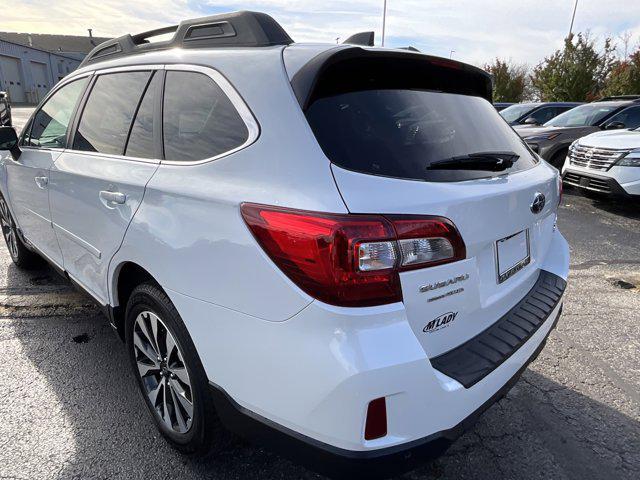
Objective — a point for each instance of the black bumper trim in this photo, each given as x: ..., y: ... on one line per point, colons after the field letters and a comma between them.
x: 478, y: 357
x: 595, y: 183
x: 341, y: 463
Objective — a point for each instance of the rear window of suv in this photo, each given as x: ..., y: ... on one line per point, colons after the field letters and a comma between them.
x: 402, y: 132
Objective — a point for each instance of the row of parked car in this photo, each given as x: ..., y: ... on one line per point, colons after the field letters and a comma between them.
x: 592, y: 143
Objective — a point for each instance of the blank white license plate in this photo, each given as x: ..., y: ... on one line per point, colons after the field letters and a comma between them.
x: 513, y: 253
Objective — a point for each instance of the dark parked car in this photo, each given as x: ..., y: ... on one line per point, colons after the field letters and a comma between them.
x: 502, y: 105
x: 552, y: 140
x: 5, y: 110
x: 536, y: 113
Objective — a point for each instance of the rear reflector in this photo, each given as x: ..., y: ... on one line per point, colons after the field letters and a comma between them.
x: 376, y: 422
x: 351, y: 260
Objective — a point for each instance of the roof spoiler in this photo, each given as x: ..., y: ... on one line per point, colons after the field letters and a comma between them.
x: 237, y: 29
x: 352, y: 68
x: 364, y: 39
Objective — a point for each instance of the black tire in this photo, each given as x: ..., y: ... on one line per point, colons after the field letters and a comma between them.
x: 205, y: 432
x: 558, y: 158
x: 20, y: 254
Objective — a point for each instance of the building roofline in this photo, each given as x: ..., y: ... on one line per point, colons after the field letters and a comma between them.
x: 59, y: 54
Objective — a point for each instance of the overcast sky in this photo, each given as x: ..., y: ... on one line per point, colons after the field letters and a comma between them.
x: 477, y: 30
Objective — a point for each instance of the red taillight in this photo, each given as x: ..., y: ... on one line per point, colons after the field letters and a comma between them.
x: 376, y: 423
x: 351, y: 260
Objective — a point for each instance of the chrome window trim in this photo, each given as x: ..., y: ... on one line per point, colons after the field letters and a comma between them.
x: 238, y: 103
x: 84, y: 153
x: 226, y: 87
x: 41, y: 149
x: 129, y: 68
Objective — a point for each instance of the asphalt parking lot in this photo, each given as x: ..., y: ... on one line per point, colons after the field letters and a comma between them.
x: 69, y: 407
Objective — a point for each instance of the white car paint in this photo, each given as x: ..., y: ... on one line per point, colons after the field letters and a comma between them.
x: 626, y: 140
x: 277, y: 351
x: 508, y: 200
x: 30, y: 199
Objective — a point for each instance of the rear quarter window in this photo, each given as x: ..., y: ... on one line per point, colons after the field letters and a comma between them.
x: 199, y: 120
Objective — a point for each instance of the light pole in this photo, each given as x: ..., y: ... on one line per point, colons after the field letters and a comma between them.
x: 573, y: 17
x: 384, y: 20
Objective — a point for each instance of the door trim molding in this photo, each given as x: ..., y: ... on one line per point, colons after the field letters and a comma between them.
x: 79, y: 241
x: 41, y: 217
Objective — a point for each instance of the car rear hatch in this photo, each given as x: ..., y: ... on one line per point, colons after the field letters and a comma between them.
x: 409, y: 134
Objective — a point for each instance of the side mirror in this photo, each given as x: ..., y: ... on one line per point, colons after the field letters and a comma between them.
x: 531, y: 121
x: 614, y: 126
x: 9, y: 141
x: 3, y: 94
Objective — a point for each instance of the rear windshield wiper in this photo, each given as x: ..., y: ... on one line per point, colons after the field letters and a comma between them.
x: 491, y: 161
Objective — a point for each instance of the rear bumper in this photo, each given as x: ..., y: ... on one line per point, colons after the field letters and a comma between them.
x: 342, y: 463
x: 530, y: 323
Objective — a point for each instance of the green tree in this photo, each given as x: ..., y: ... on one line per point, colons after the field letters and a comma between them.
x: 625, y: 77
x: 509, y: 81
x: 578, y: 72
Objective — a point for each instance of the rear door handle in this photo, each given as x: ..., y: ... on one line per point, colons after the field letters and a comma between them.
x: 113, y: 197
x: 42, y: 182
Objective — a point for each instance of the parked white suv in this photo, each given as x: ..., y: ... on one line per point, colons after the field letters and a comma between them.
x: 605, y: 163
x: 342, y: 251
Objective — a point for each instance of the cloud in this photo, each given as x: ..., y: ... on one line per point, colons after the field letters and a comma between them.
x: 476, y: 30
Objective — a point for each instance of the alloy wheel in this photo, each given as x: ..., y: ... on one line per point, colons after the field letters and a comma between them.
x: 8, y: 229
x: 164, y: 375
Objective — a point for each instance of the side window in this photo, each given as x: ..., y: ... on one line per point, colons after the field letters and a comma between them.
x: 199, y: 120
x: 49, y: 125
x: 545, y: 114
x: 141, y: 139
x: 108, y: 113
x: 629, y: 116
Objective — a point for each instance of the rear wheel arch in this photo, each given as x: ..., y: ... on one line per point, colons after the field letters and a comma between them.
x: 127, y: 276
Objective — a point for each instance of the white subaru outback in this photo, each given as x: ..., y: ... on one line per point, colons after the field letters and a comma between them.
x: 342, y: 251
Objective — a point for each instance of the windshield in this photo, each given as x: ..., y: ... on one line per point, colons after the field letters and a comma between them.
x: 514, y: 112
x: 584, y: 115
x: 400, y: 133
